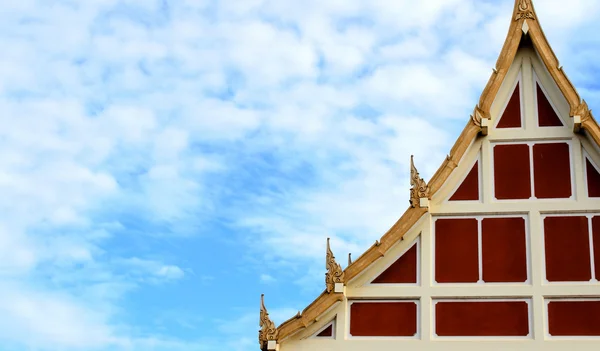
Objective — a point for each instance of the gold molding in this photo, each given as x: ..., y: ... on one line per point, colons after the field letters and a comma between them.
x: 419, y: 188
x: 335, y: 273
x: 523, y: 10
x: 267, y: 331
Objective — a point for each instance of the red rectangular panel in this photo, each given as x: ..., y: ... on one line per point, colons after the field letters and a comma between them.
x: 552, y: 170
x: 482, y: 318
x: 567, y: 246
x: 512, y: 178
x: 574, y: 318
x: 593, y: 179
x: 596, y: 240
x: 383, y: 318
x: 456, y: 250
x: 504, y: 251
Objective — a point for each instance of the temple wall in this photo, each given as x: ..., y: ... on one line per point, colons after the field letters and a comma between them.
x: 516, y: 267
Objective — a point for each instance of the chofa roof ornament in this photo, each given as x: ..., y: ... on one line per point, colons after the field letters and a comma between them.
x: 268, y: 331
x: 334, y: 278
x: 419, y: 191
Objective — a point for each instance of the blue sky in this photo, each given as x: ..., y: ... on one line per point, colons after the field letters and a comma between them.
x: 165, y: 162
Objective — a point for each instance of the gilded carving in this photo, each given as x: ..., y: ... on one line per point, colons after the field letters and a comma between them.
x: 334, y: 274
x: 477, y: 116
x: 267, y: 331
x: 581, y: 114
x: 419, y: 189
x: 480, y: 119
x: 450, y: 162
x: 583, y: 111
x: 524, y: 11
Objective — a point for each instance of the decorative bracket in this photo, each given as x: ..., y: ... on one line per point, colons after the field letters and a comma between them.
x: 582, y: 114
x: 524, y: 10
x: 481, y: 120
x: 268, y: 333
x: 334, y: 278
x: 419, y: 191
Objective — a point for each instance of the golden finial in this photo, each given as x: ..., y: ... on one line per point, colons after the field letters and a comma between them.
x: 419, y: 189
x: 524, y: 10
x: 334, y: 274
x: 267, y: 331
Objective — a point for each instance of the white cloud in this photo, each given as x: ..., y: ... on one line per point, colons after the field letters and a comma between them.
x: 37, y: 319
x: 170, y: 272
x: 266, y: 278
x: 143, y: 267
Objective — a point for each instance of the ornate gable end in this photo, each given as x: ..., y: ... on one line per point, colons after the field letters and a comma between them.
x: 502, y: 244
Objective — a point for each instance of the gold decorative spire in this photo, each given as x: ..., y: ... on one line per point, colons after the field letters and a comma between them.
x: 524, y: 10
x: 334, y: 274
x: 267, y: 331
x: 419, y: 189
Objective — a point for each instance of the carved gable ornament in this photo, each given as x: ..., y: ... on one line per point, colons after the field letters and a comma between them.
x: 524, y: 11
x: 419, y: 189
x: 335, y: 273
x: 268, y: 331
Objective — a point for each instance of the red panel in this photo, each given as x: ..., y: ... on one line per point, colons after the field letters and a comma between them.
x: 403, y: 271
x: 511, y: 118
x: 504, y: 250
x: 469, y: 189
x: 326, y: 333
x: 482, y: 318
x: 567, y: 249
x: 574, y: 318
x: 593, y: 179
x: 596, y: 240
x: 547, y: 117
x: 552, y: 170
x: 512, y: 179
x: 383, y: 318
x: 456, y: 251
